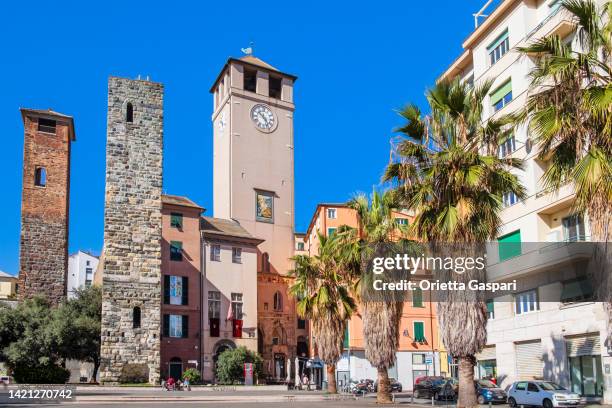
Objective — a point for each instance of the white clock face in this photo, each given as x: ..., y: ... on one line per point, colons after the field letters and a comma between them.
x: 263, y: 117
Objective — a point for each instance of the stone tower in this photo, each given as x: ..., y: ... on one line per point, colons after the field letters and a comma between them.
x: 254, y: 184
x: 45, y: 204
x: 131, y: 281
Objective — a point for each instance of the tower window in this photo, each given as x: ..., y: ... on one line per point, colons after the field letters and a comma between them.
x: 129, y: 113
x: 250, y: 80
x: 46, y: 125
x: 278, y: 301
x: 136, y: 318
x: 275, y: 86
x: 40, y: 177
x: 176, y: 251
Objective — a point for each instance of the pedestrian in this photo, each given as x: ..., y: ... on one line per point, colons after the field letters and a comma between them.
x: 170, y: 384
x: 186, y: 384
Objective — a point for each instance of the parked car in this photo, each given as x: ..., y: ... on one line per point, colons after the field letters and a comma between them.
x: 541, y: 393
x: 487, y: 391
x: 394, y: 385
x: 437, y: 387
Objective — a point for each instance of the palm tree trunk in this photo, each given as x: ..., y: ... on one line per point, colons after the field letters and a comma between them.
x: 467, y: 392
x: 383, y: 395
x: 331, y: 379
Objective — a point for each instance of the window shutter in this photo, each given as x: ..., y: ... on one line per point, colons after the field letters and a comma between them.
x: 166, y: 325
x: 185, y: 300
x: 419, y: 332
x: 166, y: 289
x: 500, y: 92
x: 502, y: 37
x: 185, y: 326
x: 510, y: 245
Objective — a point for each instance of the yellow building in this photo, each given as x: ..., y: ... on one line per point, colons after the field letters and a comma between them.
x: 8, y: 286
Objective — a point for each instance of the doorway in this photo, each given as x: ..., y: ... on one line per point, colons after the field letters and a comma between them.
x: 175, y: 368
x: 586, y: 375
x: 279, y: 366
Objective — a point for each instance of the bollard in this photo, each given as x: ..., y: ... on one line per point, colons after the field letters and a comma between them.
x: 490, y: 404
x: 432, y: 401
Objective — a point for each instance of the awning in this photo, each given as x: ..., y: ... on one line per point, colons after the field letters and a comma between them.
x: 314, y: 363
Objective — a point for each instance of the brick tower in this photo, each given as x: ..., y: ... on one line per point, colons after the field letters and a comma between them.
x: 131, y: 281
x: 44, y: 205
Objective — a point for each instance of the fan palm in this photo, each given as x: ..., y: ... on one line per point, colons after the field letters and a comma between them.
x: 569, y: 111
x: 321, y: 286
x: 381, y: 319
x: 445, y: 171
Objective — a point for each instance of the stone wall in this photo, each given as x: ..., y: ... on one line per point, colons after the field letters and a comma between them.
x: 44, y: 210
x: 132, y: 229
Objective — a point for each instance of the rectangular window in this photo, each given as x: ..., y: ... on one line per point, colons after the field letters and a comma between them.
x: 418, y: 358
x: 176, y: 290
x: 237, y: 255
x: 301, y: 324
x: 501, y: 96
x: 573, y: 228
x: 87, y: 282
x: 40, y: 177
x: 88, y: 276
x: 274, y: 87
x: 214, y: 312
x: 490, y: 309
x: 331, y: 231
x: 331, y: 213
x: 250, y: 80
x: 176, y: 251
x: 176, y: 326
x: 46, y: 125
x: 526, y: 302
x: 300, y: 246
x: 237, y: 305
x: 417, y: 298
x: 346, y: 342
x: 506, y: 147
x: 499, y: 47
x: 215, y: 253
x: 509, y: 199
x: 401, y: 221
x: 264, y: 206
x: 419, y: 332
x: 576, y: 290
x: 509, y: 245
x: 176, y: 220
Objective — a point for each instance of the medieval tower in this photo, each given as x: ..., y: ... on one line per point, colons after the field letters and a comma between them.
x: 45, y: 204
x: 254, y: 184
x: 131, y: 281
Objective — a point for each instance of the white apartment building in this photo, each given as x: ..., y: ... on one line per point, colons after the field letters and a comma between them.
x: 528, y: 338
x: 81, y: 270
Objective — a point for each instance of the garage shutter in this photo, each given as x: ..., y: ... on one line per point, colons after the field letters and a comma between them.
x: 529, y: 363
x: 487, y: 353
x: 583, y: 345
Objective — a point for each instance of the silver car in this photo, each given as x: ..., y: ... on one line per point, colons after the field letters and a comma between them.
x: 541, y: 393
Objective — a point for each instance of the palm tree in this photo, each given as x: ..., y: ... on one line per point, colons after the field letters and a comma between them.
x: 569, y: 111
x: 322, y: 289
x: 445, y: 172
x: 381, y: 319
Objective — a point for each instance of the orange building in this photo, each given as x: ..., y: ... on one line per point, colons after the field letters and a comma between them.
x: 420, y: 349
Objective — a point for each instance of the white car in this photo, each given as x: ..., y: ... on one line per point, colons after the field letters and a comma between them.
x: 541, y: 393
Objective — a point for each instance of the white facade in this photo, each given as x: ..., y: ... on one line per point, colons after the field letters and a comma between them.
x: 81, y: 270
x: 563, y: 342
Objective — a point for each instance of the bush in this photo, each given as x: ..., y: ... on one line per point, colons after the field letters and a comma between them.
x: 50, y: 374
x: 134, y: 374
x: 192, y: 375
x: 230, y: 366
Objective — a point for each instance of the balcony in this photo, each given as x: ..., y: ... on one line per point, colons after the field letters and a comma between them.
x: 535, y: 257
x: 558, y: 23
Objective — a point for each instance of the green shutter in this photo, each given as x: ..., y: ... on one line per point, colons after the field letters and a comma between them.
x: 331, y: 231
x: 346, y: 338
x: 502, y: 37
x: 176, y: 220
x: 419, y: 331
x: 417, y: 298
x: 510, y: 245
x: 500, y: 92
x: 185, y: 299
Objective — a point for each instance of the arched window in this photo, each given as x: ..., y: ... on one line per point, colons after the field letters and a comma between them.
x: 136, y: 318
x: 129, y: 112
x: 278, y: 301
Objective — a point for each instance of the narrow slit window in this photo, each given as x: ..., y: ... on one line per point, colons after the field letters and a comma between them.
x: 46, y: 125
x: 40, y: 177
x: 275, y: 87
x: 136, y: 318
x: 129, y: 113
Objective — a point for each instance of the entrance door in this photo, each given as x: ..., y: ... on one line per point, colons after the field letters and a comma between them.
x: 176, y: 369
x: 586, y: 375
x: 279, y: 366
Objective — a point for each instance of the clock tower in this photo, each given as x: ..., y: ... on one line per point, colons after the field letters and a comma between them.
x: 254, y: 185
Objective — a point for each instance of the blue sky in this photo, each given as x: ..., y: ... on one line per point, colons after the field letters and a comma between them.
x: 356, y: 63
